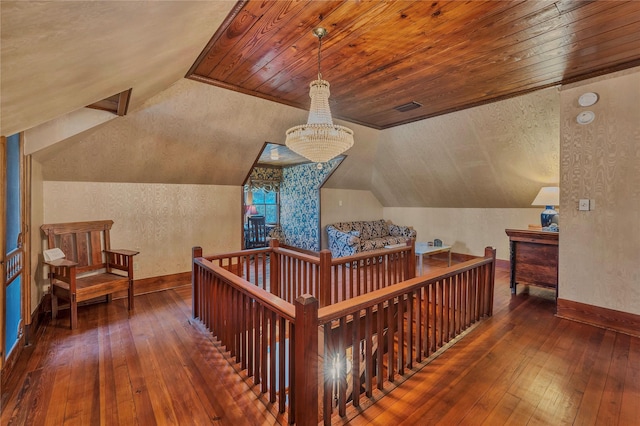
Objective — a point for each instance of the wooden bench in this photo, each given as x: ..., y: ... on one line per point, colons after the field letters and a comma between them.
x: 90, y: 268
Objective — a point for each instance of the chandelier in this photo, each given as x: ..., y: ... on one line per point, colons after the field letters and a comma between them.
x: 319, y: 140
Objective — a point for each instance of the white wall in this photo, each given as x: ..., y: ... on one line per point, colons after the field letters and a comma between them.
x: 162, y: 221
x: 600, y: 249
x: 468, y: 231
x: 343, y: 205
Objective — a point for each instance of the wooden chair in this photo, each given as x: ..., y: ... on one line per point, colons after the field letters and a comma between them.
x: 90, y: 268
x: 256, y: 232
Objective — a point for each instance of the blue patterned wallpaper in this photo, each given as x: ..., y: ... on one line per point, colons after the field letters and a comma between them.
x: 300, y: 203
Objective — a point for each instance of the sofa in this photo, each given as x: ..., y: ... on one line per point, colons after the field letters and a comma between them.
x: 349, y: 238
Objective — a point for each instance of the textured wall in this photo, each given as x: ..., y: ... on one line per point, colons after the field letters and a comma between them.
x: 93, y: 50
x: 162, y: 221
x: 466, y: 230
x: 600, y: 249
x: 495, y: 155
x: 37, y: 219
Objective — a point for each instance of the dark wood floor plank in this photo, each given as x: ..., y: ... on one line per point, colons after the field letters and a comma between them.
x: 239, y: 405
x: 630, y: 410
x: 588, y: 409
x: 177, y: 367
x: 610, y: 404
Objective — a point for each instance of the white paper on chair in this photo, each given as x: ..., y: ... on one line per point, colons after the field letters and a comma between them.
x: 53, y: 254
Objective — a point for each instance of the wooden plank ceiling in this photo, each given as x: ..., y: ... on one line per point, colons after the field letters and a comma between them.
x: 443, y: 55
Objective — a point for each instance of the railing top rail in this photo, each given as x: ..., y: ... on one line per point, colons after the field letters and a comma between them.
x: 367, y: 255
x: 241, y: 253
x: 329, y: 313
x: 297, y: 255
x: 278, y: 305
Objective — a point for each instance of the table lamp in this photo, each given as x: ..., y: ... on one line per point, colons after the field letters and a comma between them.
x: 549, y: 196
x: 252, y: 210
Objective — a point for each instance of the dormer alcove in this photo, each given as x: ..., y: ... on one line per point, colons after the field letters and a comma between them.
x: 285, y: 188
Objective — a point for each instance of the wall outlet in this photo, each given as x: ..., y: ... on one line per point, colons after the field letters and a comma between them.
x: 583, y: 204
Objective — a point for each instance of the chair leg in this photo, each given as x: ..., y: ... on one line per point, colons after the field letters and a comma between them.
x: 73, y: 308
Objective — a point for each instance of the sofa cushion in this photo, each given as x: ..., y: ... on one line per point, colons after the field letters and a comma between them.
x: 378, y: 243
x: 376, y: 229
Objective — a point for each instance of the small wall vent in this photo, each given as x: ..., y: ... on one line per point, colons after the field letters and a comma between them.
x: 408, y: 107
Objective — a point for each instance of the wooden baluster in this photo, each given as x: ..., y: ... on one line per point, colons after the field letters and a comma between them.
x: 342, y: 367
x: 329, y: 379
x: 355, y: 359
x: 434, y: 317
x: 380, y: 350
x: 390, y: 339
x: 410, y: 319
x: 292, y: 370
x: 401, y: 334
x: 368, y: 336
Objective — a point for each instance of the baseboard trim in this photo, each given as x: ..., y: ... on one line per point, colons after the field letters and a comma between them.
x: 10, y: 363
x: 142, y: 286
x: 622, y: 322
x: 463, y: 257
x: 37, y: 317
x: 501, y: 263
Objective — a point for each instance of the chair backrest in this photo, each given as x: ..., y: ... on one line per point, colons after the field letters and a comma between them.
x: 256, y: 232
x: 81, y: 242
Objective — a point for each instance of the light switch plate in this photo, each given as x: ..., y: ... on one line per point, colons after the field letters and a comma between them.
x: 583, y: 204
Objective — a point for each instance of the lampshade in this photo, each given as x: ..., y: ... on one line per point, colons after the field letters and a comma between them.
x: 251, y: 210
x: 547, y: 196
x: 319, y: 140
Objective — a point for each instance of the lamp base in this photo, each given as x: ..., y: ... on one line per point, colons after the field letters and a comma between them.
x: 547, y: 216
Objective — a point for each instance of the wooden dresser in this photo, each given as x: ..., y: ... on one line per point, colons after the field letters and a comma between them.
x: 534, y: 258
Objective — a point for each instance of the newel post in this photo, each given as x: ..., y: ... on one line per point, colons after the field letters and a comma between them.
x: 195, y: 286
x: 411, y: 262
x: 490, y: 252
x: 306, y: 361
x: 325, y: 278
x: 274, y: 267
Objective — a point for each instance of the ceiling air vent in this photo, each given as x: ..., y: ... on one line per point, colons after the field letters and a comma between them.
x: 407, y: 107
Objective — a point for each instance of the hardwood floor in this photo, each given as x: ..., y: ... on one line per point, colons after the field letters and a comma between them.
x: 522, y: 366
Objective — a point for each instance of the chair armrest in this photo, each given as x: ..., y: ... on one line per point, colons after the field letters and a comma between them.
x: 60, y: 263
x: 63, y: 270
x: 121, y: 259
x: 123, y: 252
x: 402, y: 231
x: 342, y: 243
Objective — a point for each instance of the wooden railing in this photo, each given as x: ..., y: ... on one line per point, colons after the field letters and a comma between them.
x: 288, y: 273
x: 372, y: 339
x: 389, y: 329
x: 254, y: 326
x: 13, y: 265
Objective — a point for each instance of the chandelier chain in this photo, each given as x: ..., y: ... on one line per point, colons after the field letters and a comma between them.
x: 319, y: 56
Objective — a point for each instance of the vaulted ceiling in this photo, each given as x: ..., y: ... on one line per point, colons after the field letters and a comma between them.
x: 58, y: 57
x: 434, y: 56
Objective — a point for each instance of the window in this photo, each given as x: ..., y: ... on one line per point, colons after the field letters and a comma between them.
x: 265, y: 202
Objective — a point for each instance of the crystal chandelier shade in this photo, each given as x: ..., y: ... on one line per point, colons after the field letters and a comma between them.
x: 319, y: 140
